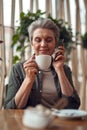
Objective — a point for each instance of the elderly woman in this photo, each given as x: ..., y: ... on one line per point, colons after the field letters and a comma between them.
x: 29, y: 86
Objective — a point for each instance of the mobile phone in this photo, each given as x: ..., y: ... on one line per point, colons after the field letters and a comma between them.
x: 61, y: 42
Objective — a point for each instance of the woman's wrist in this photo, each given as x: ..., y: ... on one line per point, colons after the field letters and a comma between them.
x: 28, y: 81
x: 60, y: 70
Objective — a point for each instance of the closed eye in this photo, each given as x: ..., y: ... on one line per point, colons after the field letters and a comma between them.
x: 37, y: 39
x: 49, y: 39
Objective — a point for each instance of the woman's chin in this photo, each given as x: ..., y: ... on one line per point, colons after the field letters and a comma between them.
x: 44, y: 53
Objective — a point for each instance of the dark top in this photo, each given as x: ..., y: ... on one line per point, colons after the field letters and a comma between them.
x: 16, y: 78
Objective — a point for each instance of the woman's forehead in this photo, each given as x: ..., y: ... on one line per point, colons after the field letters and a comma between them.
x: 43, y: 31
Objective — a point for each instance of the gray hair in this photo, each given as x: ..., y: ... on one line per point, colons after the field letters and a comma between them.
x: 43, y: 23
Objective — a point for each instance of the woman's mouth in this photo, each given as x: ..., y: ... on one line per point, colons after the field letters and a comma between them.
x: 44, y: 52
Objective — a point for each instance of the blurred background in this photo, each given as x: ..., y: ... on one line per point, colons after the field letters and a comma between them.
x: 71, y: 16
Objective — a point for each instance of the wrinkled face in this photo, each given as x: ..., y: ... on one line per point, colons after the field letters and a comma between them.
x: 43, y: 41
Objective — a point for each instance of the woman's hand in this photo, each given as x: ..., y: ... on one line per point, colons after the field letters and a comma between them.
x: 31, y: 68
x: 59, y: 58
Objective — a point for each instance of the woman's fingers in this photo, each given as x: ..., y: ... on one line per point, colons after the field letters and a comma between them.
x: 32, y: 58
x: 30, y: 66
x: 31, y: 62
x: 59, y: 55
x: 31, y: 71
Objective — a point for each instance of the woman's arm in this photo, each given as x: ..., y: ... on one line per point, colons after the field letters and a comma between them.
x: 66, y: 86
x: 74, y: 100
x: 65, y: 79
x: 20, y: 90
x: 58, y: 64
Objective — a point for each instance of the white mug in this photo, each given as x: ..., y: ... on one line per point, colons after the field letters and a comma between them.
x: 43, y: 61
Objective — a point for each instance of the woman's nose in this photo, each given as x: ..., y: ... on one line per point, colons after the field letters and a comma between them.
x: 43, y: 43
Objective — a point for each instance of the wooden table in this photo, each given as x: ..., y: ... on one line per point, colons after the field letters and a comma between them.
x: 12, y: 120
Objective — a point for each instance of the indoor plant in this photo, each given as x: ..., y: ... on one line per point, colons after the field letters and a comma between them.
x: 21, y: 33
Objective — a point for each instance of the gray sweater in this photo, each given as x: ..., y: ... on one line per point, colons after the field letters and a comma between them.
x: 16, y: 78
